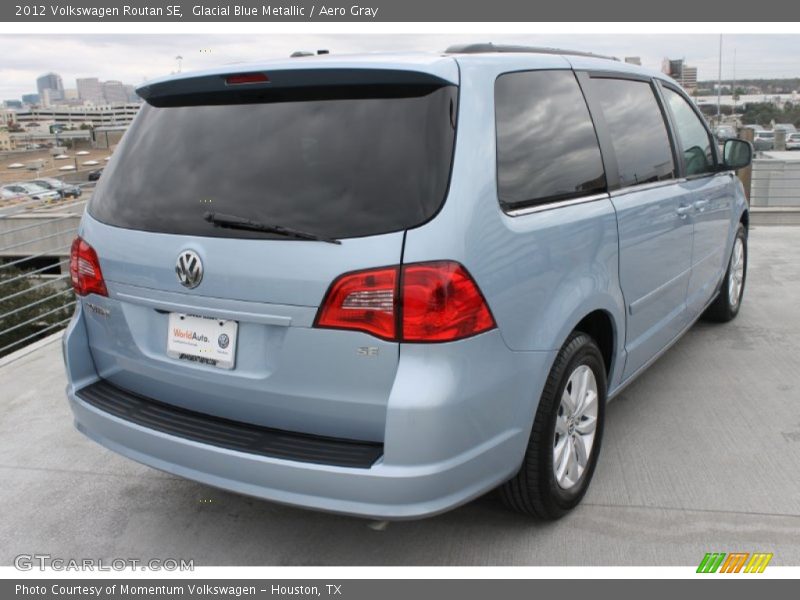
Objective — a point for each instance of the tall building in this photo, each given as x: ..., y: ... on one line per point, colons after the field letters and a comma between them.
x: 52, y: 82
x: 115, y: 92
x: 680, y: 72
x: 30, y: 98
x: 90, y: 89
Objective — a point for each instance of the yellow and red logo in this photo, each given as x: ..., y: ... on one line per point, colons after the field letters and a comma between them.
x: 735, y: 562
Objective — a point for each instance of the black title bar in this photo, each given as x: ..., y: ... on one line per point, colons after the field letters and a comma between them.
x: 399, y: 10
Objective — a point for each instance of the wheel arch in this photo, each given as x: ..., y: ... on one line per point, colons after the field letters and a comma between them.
x: 599, y: 325
x: 605, y: 323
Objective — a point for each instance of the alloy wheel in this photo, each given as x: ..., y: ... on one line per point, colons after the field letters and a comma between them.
x: 576, y: 423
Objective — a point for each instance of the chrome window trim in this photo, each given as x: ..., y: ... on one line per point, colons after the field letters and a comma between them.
x: 642, y: 187
x: 527, y: 210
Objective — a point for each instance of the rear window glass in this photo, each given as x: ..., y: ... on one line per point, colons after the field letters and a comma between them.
x: 547, y: 148
x: 637, y: 128
x: 340, y: 162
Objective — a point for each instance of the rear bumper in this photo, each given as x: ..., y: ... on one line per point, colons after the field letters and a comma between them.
x: 458, y: 421
x: 380, y: 492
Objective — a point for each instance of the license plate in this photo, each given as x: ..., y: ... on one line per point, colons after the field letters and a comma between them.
x: 202, y: 340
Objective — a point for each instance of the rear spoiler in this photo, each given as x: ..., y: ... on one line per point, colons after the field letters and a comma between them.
x: 283, y: 84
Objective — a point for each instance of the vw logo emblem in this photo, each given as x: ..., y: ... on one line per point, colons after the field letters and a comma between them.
x: 223, y: 341
x: 189, y: 269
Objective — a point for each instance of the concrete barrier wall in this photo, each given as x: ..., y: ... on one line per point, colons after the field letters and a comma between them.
x: 48, y: 234
x: 775, y: 183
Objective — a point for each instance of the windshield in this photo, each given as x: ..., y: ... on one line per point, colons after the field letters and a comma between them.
x: 348, y: 161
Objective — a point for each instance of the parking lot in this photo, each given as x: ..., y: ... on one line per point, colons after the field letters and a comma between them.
x: 701, y: 454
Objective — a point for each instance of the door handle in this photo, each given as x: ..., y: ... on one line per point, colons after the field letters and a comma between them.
x: 701, y: 205
x: 683, y: 210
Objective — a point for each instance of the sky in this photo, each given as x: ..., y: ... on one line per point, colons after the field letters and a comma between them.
x: 134, y: 59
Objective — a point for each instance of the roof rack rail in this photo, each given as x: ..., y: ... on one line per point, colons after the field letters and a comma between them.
x: 482, y: 48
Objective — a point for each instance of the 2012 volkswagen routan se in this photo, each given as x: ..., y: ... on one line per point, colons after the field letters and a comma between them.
x: 384, y: 285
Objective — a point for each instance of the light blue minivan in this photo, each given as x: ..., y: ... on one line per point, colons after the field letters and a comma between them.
x: 384, y: 285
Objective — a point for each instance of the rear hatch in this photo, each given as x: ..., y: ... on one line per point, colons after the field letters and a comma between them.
x: 219, y: 319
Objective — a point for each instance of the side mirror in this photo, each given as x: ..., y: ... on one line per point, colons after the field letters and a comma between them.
x: 736, y: 154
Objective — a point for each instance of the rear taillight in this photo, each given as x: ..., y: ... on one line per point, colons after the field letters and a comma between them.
x: 418, y: 302
x: 84, y: 270
x: 441, y: 303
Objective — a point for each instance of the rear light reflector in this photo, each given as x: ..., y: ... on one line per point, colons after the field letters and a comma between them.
x: 241, y: 78
x: 419, y: 302
x: 84, y: 270
x: 363, y: 301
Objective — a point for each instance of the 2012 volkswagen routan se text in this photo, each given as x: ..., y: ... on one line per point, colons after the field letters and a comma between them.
x: 383, y: 285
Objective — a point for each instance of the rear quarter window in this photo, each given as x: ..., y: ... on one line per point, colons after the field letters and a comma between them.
x: 547, y: 148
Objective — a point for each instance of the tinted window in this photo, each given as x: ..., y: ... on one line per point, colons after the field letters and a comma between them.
x: 637, y: 129
x: 546, y: 145
x: 344, y: 162
x: 698, y: 155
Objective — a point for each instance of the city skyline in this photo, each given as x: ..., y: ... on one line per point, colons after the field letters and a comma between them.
x: 50, y: 90
x: 137, y: 58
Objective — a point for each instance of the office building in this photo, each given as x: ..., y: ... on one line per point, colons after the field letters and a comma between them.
x: 53, y: 83
x: 680, y: 72
x: 115, y: 92
x: 90, y: 90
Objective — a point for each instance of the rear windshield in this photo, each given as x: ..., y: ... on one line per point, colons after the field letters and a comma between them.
x: 340, y: 162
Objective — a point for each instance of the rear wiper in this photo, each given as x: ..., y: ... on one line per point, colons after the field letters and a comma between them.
x: 234, y: 222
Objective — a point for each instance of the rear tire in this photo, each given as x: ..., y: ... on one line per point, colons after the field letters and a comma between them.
x: 727, y: 303
x: 550, y: 483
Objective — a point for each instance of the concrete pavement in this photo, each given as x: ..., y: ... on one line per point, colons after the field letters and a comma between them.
x: 701, y: 454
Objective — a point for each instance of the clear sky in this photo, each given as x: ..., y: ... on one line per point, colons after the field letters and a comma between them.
x: 136, y: 58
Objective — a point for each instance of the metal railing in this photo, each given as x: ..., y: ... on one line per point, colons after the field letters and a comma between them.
x: 36, y: 296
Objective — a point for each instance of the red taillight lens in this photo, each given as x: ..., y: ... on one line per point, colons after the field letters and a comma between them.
x: 84, y: 270
x: 241, y: 78
x: 435, y: 302
x: 364, y: 301
x: 441, y: 303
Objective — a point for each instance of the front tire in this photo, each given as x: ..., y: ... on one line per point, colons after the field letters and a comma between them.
x: 567, y: 430
x: 727, y: 303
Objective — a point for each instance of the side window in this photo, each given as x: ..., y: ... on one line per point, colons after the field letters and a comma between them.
x: 637, y: 129
x: 698, y: 155
x: 546, y: 144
